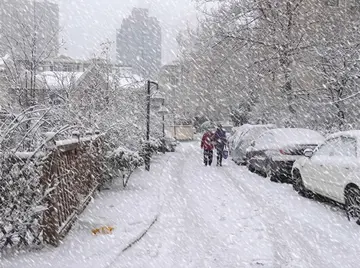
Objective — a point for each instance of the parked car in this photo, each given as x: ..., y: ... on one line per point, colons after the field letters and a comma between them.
x: 275, y: 151
x: 234, y: 138
x: 332, y: 170
x: 240, y: 141
x: 228, y: 128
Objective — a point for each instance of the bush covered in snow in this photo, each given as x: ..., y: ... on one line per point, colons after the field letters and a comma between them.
x: 124, y: 158
x: 21, y: 196
x: 153, y: 145
x: 121, y: 163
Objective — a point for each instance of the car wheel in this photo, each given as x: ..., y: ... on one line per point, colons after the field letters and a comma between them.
x: 352, y: 203
x: 243, y: 163
x: 270, y: 173
x: 272, y: 176
x: 251, y: 168
x: 299, y: 186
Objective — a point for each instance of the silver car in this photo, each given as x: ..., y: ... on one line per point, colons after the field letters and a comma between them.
x: 243, y: 138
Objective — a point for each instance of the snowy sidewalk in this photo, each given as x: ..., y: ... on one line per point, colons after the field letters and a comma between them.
x: 206, y: 217
x: 205, y: 222
x: 130, y: 212
x: 229, y: 217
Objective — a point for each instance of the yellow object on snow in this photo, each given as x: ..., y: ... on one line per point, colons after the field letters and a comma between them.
x: 102, y: 230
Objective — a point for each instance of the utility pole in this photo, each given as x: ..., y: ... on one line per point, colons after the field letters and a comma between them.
x: 147, y: 148
x: 148, y: 100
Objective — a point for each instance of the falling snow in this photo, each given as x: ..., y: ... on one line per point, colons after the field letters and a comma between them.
x: 193, y: 133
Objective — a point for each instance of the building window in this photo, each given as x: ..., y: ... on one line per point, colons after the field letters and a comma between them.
x: 332, y: 3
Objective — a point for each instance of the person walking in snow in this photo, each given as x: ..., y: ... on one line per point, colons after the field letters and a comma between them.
x: 207, y: 145
x: 220, y: 143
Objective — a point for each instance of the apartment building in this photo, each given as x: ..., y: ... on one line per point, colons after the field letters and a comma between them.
x: 138, y: 43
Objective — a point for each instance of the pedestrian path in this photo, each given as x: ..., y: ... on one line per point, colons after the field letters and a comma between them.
x: 130, y: 212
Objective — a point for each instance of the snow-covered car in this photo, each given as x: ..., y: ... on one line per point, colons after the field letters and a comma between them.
x: 275, y: 151
x: 332, y: 170
x: 208, y: 125
x: 228, y: 128
x: 241, y: 139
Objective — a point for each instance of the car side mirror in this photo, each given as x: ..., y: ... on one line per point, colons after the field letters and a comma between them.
x: 308, y: 152
x: 252, y: 143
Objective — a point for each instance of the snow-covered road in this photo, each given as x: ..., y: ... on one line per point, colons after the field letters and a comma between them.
x: 206, y: 217
x: 228, y: 217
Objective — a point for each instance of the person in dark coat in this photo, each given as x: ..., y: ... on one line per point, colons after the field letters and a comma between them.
x: 208, y: 146
x: 220, y: 142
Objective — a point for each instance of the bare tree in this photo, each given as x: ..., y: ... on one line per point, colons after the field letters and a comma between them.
x: 286, y: 60
x: 25, y: 41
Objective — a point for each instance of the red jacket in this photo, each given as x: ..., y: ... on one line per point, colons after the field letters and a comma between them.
x: 206, y: 142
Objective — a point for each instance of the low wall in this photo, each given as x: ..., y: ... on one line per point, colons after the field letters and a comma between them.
x: 181, y: 132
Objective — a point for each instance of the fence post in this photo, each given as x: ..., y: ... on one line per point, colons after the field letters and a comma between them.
x: 50, y: 217
x: 76, y: 135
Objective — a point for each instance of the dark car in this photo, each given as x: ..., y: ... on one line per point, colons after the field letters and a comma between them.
x: 275, y: 151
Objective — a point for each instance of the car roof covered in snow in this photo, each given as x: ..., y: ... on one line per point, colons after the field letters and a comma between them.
x: 349, y: 133
x: 243, y: 130
x: 291, y: 136
x: 246, y: 127
x: 296, y: 132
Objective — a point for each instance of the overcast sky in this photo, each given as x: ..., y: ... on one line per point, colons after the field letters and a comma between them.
x: 87, y: 23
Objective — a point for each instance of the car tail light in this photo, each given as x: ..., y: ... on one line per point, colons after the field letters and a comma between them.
x: 282, y: 151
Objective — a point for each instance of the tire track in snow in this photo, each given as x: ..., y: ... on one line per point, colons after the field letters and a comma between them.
x: 116, y: 261
x: 291, y: 246
x: 194, y: 228
x: 211, y: 192
x: 190, y: 236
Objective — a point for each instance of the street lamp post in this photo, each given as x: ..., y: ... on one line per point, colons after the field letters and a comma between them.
x: 163, y: 111
x: 149, y: 98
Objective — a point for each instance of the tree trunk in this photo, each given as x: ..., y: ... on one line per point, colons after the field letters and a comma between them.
x: 340, y: 116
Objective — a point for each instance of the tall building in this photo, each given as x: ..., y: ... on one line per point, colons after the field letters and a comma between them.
x: 138, y: 43
x: 29, y: 28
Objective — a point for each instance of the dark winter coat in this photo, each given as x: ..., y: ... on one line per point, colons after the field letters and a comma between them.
x: 220, y: 139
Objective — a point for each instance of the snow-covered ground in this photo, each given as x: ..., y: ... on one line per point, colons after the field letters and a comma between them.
x: 206, y: 217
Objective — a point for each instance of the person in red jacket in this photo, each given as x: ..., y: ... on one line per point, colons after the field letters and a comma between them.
x: 208, y: 146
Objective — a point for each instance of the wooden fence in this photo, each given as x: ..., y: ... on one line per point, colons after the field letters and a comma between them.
x: 71, y: 171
